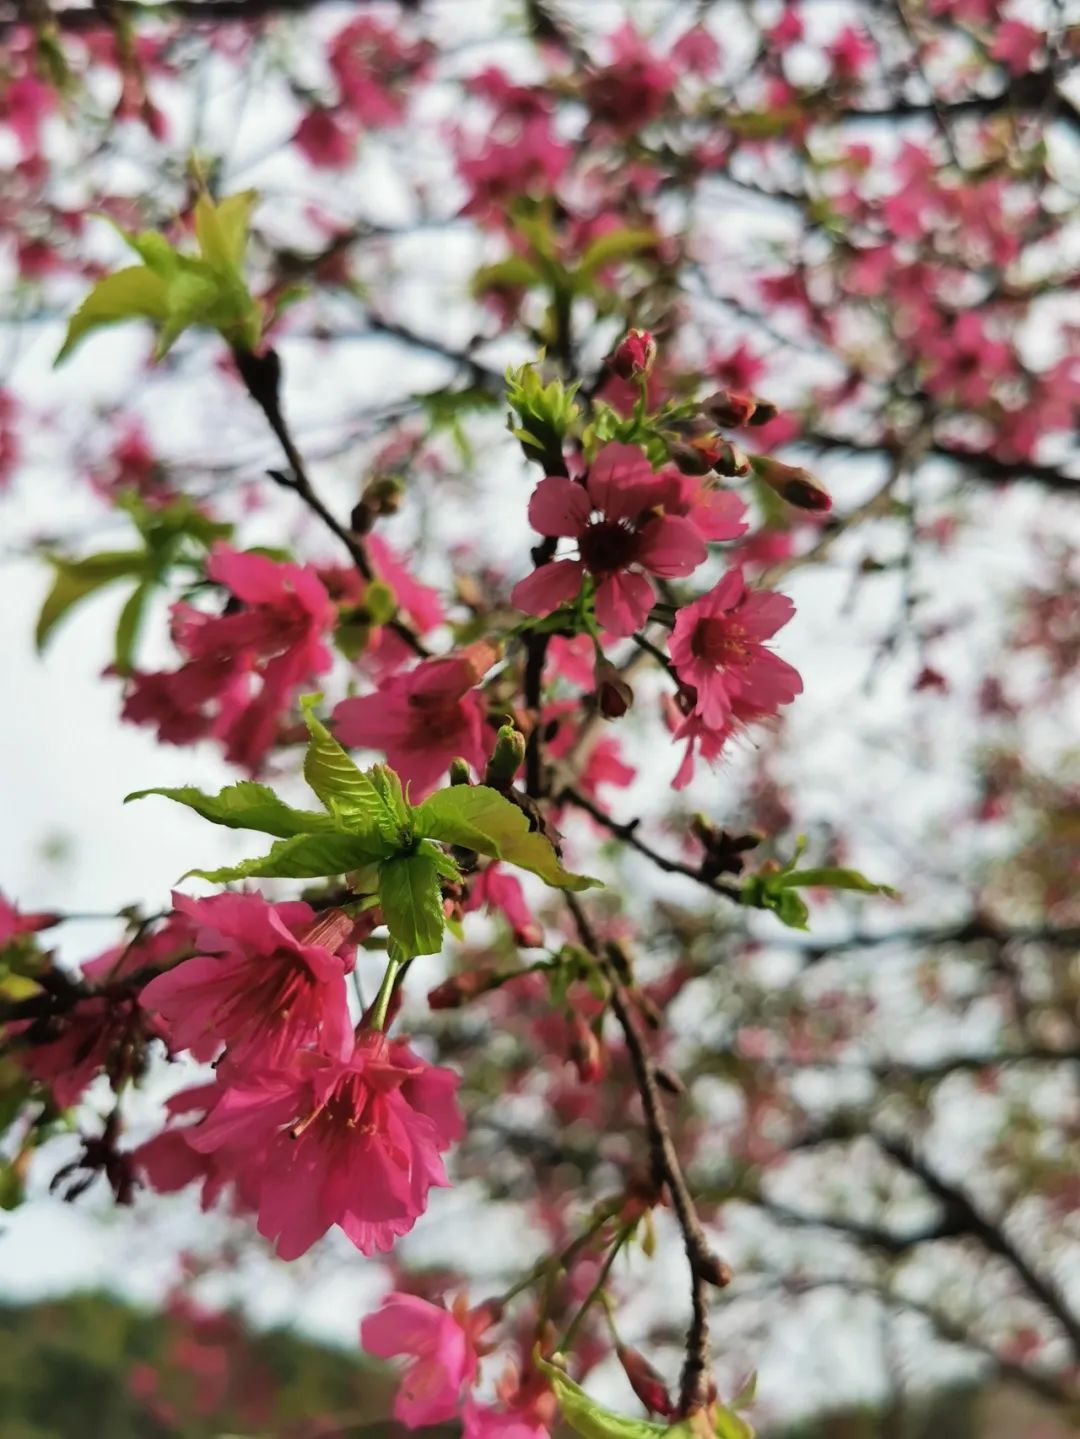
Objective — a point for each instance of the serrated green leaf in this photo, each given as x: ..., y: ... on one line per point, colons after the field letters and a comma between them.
x: 411, y: 902
x: 304, y: 856
x: 73, y: 580
x: 835, y: 878
x: 134, y: 293
x: 246, y: 805
x: 350, y: 794
x: 481, y: 819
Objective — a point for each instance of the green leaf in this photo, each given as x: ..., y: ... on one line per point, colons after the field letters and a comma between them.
x: 515, y: 272
x: 191, y: 295
x: 73, y: 580
x: 129, y: 625
x: 246, y: 805
x: 831, y: 878
x: 592, y: 1420
x: 412, y: 904
x: 481, y: 819
x: 222, y: 229
x: 354, y: 798
x: 134, y: 293
x: 304, y: 856
x: 615, y: 245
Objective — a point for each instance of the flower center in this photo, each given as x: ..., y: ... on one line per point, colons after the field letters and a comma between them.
x: 607, y: 546
x: 719, y: 641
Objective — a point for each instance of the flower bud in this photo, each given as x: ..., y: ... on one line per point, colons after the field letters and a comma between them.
x: 585, y: 1050
x: 383, y: 494
x: 764, y: 411
x: 613, y: 695
x: 729, y: 408
x: 691, y: 459
x: 635, y: 355
x: 645, y: 1381
x: 460, y: 772
x: 792, y: 483
x: 460, y: 988
x: 730, y: 460
x: 506, y: 758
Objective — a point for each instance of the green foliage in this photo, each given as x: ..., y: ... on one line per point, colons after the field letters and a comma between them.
x: 776, y: 888
x: 172, y: 536
x: 372, y: 834
x: 545, y: 413
x: 176, y: 292
x: 485, y: 821
x: 592, y: 1421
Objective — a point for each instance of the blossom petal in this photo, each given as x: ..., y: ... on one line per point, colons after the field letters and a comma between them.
x: 623, y: 602
x: 559, y: 507
x: 547, y: 587
x: 671, y: 546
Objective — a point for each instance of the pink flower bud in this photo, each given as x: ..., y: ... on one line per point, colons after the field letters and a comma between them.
x: 729, y: 408
x: 635, y: 355
x: 646, y: 1382
x: 585, y: 1050
x: 460, y: 988
x: 613, y: 695
x: 792, y: 483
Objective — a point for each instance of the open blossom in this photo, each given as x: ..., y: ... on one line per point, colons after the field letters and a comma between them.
x: 614, y: 519
x: 14, y: 921
x: 355, y: 1142
x: 242, y: 667
x: 442, y: 1346
x: 252, y: 985
x: 482, y: 1422
x: 718, y: 649
x: 424, y: 718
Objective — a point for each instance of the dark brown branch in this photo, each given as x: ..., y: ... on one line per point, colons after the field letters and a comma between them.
x: 667, y: 1174
x: 261, y: 375
x: 628, y: 834
x: 966, y: 1219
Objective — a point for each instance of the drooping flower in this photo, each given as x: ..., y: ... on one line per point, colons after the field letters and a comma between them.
x: 424, y: 718
x: 497, y: 889
x: 252, y: 986
x: 244, y: 666
x: 442, y: 1345
x: 355, y: 1142
x: 614, y: 518
x: 718, y: 649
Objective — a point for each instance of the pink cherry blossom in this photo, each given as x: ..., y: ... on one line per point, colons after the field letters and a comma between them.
x: 495, y: 888
x: 9, y: 440
x: 242, y: 667
x: 327, y: 138
x: 423, y: 719
x: 717, y: 648
x: 484, y: 1422
x: 14, y: 922
x: 717, y: 514
x: 252, y: 985
x: 354, y: 1142
x: 1016, y: 45
x: 442, y: 1347
x: 613, y: 517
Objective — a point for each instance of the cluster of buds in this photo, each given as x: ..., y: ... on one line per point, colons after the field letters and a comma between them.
x: 634, y: 356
